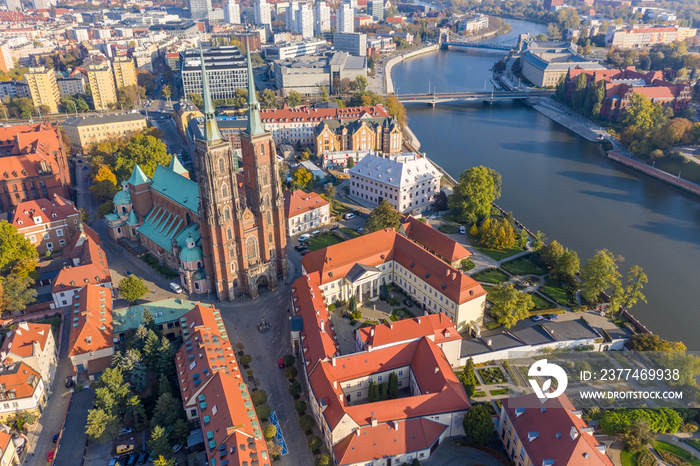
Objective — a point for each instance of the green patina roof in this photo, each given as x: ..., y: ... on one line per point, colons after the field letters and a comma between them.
x: 122, y: 197
x: 164, y: 311
x: 111, y: 217
x: 133, y: 219
x: 177, y: 167
x: 161, y: 226
x: 176, y: 187
x: 191, y: 254
x: 138, y: 176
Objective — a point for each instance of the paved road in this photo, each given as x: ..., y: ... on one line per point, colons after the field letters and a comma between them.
x: 84, y: 197
x: 171, y: 137
x: 72, y: 445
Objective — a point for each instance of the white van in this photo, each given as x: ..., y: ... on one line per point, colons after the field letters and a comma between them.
x: 304, y: 237
x: 175, y: 287
x: 348, y: 216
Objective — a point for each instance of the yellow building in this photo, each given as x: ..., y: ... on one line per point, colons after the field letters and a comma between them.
x: 124, y: 71
x: 184, y: 112
x: 102, y: 86
x: 83, y: 132
x: 43, y: 87
x: 376, y: 134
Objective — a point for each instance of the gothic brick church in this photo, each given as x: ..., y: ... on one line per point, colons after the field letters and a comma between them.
x: 224, y: 234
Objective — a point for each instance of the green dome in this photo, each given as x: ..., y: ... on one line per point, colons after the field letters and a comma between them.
x: 192, y: 252
x: 122, y: 197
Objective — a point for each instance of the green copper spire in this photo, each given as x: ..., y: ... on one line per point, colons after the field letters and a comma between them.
x: 255, y: 126
x: 138, y: 177
x: 211, y: 130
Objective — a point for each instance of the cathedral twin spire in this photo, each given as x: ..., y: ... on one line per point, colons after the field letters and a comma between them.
x: 211, y: 129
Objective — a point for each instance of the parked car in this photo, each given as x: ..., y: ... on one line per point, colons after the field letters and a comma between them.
x: 69, y: 381
x: 125, y: 448
x: 462, y: 230
x: 305, y: 252
x: 113, y: 461
x: 56, y: 436
x: 50, y: 456
x: 177, y: 448
x: 299, y: 247
x: 175, y: 287
x: 125, y: 430
x: 537, y: 318
x: 128, y: 273
x: 315, y: 232
x: 143, y: 456
x: 85, y: 179
x: 280, y: 363
x: 335, y: 227
x: 304, y: 237
x: 132, y: 460
x: 552, y: 316
x: 408, y: 302
x: 349, y: 216
x: 85, y: 167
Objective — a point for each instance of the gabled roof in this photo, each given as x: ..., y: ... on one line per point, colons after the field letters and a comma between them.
x: 299, y: 203
x: 176, y: 166
x: 176, y: 187
x: 396, y: 170
x: 555, y: 421
x: 437, y: 327
x: 45, y: 209
x: 87, y: 249
x: 18, y: 379
x: 19, y: 343
x: 304, y: 114
x: 91, y: 321
x: 444, y: 246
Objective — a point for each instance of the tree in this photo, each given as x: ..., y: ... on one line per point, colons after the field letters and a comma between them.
x: 302, y: 179
x: 470, y: 381
x: 167, y: 411
x: 383, y: 216
x: 159, y: 443
x: 473, y: 195
x: 15, y: 292
x: 270, y: 432
x: 351, y: 162
x: 101, y: 425
x: 477, y: 424
x: 259, y: 397
x: 393, y: 390
x: 145, y: 150
x: 132, y: 288
x: 197, y: 100
x: 360, y: 83
x: 128, y: 97
x: 323, y: 460
x: 324, y: 94
x: 315, y: 443
x: 84, y: 216
x: 180, y: 432
x: 291, y: 373
x: 551, y: 253
x: 651, y: 342
x: 599, y: 274
x: 147, y: 320
x: 373, y: 392
x: 636, y: 278
x: 293, y: 99
x: 167, y: 91
x: 638, y: 435
x: 17, y: 255
x: 644, y: 114
x: 268, y: 99
x: 509, y: 305
x: 263, y: 412
x: 162, y: 461
x: 288, y: 360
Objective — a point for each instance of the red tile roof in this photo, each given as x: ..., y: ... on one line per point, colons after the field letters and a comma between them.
x: 308, y: 299
x: 20, y: 341
x: 92, y: 331
x: 334, y: 262
x: 304, y: 114
x: 19, y: 379
x: 437, y: 327
x: 554, y: 426
x: 298, y: 203
x: 25, y: 212
x: 210, y: 379
x: 442, y: 245
x: 92, y: 269
x: 387, y: 440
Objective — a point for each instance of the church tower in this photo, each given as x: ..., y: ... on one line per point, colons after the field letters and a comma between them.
x: 219, y: 203
x: 243, y: 234
x: 265, y: 251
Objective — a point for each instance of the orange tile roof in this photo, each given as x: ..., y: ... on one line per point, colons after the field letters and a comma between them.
x: 557, y: 417
x: 19, y: 379
x: 304, y: 114
x: 298, y: 203
x: 308, y: 299
x: 20, y: 341
x: 92, y: 331
x: 92, y: 268
x: 437, y: 327
x: 387, y: 440
x: 26, y: 211
x: 334, y: 262
x: 444, y: 246
x: 209, y: 377
x: 5, y: 439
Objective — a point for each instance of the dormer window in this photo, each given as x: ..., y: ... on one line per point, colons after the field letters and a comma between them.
x: 37, y: 219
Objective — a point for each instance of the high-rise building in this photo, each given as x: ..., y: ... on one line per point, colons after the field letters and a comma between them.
x: 262, y: 13
x: 354, y: 43
x: 289, y: 15
x: 300, y: 19
x: 42, y: 4
x: 6, y: 61
x: 375, y: 8
x: 200, y: 9
x: 101, y: 81
x: 232, y: 12
x: 243, y: 235
x: 13, y: 5
x: 43, y: 87
x: 345, y: 18
x: 322, y: 18
x: 124, y: 71
x: 225, y: 67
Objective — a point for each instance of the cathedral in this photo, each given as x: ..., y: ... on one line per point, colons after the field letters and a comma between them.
x: 225, y: 233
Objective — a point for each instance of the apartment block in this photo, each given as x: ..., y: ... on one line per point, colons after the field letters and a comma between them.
x: 124, y: 71
x: 353, y: 43
x: 86, y: 131
x: 43, y: 87
x: 101, y: 78
x: 34, y: 345
x: 48, y: 224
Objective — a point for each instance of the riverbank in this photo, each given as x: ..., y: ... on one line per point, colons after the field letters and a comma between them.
x: 388, y: 82
x: 661, y: 175
x: 571, y: 120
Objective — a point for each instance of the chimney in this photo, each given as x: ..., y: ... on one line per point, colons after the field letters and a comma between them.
x: 391, y: 325
x: 333, y: 361
x: 369, y: 348
x: 323, y: 326
x: 489, y: 341
x: 418, y: 319
x: 396, y: 425
x: 357, y: 432
x: 437, y: 369
x: 374, y: 421
x: 371, y: 332
x: 573, y: 433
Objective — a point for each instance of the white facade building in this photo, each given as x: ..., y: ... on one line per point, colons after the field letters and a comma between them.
x: 345, y: 18
x: 407, y: 181
x: 353, y: 43
x: 305, y: 211
x: 262, y: 13
x: 232, y: 12
x: 322, y: 18
x: 300, y: 19
x: 284, y: 51
x: 200, y: 9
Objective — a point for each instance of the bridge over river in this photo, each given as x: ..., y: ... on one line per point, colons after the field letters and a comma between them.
x: 484, y: 96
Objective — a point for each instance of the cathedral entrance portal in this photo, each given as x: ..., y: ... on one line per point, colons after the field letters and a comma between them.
x: 263, y: 283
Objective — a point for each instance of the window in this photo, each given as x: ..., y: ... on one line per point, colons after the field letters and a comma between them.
x: 229, y: 233
x: 46, y: 236
x: 227, y: 214
x: 224, y: 191
x: 32, y: 239
x: 269, y: 237
x: 359, y: 394
x: 221, y: 165
x: 59, y: 232
x: 252, y: 250
x: 49, y: 246
x: 62, y: 242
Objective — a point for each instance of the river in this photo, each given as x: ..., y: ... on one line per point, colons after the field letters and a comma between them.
x: 559, y: 183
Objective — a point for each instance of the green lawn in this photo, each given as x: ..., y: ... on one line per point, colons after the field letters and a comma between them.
x: 553, y: 289
x: 449, y: 228
x: 492, y: 275
x: 540, y: 302
x: 628, y: 458
x: 693, y: 443
x: 689, y: 171
x: 478, y: 394
x: 495, y: 254
x: 523, y: 266
x: 678, y: 451
x: 501, y: 391
x: 492, y: 375
x: 350, y: 232
x: 323, y: 240
x: 492, y: 325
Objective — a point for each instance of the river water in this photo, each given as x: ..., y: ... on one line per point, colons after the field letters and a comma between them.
x: 559, y: 183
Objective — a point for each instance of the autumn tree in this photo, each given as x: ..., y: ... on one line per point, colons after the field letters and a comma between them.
x: 18, y: 259
x: 627, y: 296
x: 293, y: 99
x: 268, y: 99
x: 383, y: 216
x: 497, y: 233
x: 302, y: 179
x: 146, y: 151
x: 509, y: 305
x: 196, y: 99
x: 167, y: 91
x: 600, y: 273
x: 396, y: 109
x: 473, y: 195
x: 132, y: 288
x: 160, y: 443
